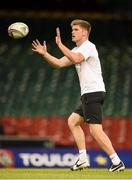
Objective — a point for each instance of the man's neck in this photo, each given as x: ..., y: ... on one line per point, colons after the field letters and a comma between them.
x: 81, y: 42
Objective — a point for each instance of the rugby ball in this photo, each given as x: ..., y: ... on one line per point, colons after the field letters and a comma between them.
x: 18, y: 30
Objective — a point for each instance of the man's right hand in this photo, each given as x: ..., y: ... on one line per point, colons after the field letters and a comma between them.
x: 39, y: 48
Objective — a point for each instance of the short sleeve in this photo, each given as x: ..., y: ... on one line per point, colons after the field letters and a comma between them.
x: 84, y: 49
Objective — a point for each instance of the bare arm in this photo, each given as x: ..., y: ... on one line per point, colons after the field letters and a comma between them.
x: 72, y: 56
x: 55, y: 62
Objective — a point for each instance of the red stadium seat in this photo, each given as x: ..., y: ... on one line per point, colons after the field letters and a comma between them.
x: 115, y: 128
x: 54, y: 129
x: 39, y: 126
x: 118, y: 134
x: 23, y: 126
x: 128, y: 139
x: 9, y: 125
x: 107, y: 124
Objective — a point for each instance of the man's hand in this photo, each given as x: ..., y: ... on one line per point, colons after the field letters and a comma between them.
x: 58, y: 37
x: 37, y: 47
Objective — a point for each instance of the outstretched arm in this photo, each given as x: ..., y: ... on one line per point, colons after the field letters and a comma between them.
x: 55, y: 62
x: 72, y: 56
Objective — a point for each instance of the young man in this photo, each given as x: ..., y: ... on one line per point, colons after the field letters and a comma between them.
x: 85, y: 58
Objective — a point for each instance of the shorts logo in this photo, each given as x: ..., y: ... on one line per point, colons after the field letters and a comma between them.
x: 88, y: 119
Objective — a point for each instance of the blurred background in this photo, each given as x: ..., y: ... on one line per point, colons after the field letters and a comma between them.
x: 36, y: 99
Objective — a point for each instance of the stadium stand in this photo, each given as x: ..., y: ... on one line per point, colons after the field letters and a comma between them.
x: 36, y: 99
x: 55, y: 129
x: 41, y: 89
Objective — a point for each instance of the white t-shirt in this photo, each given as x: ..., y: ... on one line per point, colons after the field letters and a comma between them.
x: 89, y: 70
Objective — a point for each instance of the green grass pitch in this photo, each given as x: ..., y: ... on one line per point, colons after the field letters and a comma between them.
x: 45, y: 173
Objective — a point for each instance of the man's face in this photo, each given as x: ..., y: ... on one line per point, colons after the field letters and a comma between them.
x: 77, y: 33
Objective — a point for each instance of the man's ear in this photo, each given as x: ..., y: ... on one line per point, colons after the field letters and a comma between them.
x: 85, y: 33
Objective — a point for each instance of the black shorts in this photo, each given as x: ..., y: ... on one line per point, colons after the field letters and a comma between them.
x: 91, y: 107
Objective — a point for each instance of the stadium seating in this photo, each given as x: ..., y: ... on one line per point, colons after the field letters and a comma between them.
x: 36, y: 85
x: 56, y: 130
x: 36, y: 99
